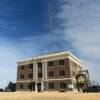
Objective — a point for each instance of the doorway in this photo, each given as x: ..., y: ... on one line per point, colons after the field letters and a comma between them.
x: 38, y: 87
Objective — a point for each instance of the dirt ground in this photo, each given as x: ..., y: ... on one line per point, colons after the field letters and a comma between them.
x: 49, y: 96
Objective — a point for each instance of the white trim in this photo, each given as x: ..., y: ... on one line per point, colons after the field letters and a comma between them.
x: 34, y: 71
x: 50, y: 56
x: 75, y: 61
x: 49, y: 80
x: 58, y: 79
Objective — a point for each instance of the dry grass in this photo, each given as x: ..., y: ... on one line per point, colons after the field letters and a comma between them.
x: 49, y: 96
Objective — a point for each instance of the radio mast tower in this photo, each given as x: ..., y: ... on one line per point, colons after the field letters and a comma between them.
x: 50, y: 13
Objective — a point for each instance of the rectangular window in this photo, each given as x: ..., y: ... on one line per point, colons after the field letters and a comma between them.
x: 61, y: 62
x: 51, y: 85
x: 21, y: 86
x: 22, y: 67
x: 30, y: 66
x: 51, y: 74
x: 22, y: 76
x: 50, y: 63
x: 40, y: 65
x: 30, y: 76
x: 39, y: 75
x: 30, y: 86
x: 62, y: 73
x: 63, y: 85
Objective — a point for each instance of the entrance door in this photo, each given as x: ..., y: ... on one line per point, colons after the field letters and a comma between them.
x: 39, y: 87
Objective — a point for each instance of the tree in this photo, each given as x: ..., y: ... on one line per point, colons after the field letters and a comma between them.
x: 11, y: 87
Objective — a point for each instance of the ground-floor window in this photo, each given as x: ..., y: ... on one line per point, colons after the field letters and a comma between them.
x: 63, y: 85
x: 51, y: 85
x: 29, y: 86
x: 21, y: 86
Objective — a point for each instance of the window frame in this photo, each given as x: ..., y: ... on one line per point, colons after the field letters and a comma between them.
x: 39, y: 63
x: 39, y: 74
x: 21, y: 86
x: 63, y: 85
x: 61, y: 62
x: 51, y: 85
x: 30, y: 66
x: 22, y: 76
x: 22, y: 67
x: 30, y: 76
x: 62, y: 73
x: 30, y: 86
x: 50, y: 63
x: 51, y: 74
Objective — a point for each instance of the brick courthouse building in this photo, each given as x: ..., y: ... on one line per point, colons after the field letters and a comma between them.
x: 50, y: 72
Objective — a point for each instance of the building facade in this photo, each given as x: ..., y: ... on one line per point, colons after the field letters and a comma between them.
x: 51, y: 72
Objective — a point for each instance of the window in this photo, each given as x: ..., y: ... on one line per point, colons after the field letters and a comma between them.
x: 73, y: 74
x: 30, y: 76
x: 50, y: 63
x: 62, y: 73
x: 21, y: 86
x: 30, y: 86
x: 30, y: 66
x: 51, y: 85
x: 22, y: 67
x: 40, y: 65
x: 61, y: 62
x: 22, y: 76
x: 51, y: 74
x: 39, y: 75
x: 63, y: 85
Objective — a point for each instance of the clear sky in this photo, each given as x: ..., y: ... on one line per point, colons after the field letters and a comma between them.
x: 25, y: 31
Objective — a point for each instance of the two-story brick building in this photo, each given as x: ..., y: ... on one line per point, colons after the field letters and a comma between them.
x: 50, y: 72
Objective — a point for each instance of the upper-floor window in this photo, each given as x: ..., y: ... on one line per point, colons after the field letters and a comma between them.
x: 73, y: 74
x: 74, y: 64
x: 22, y: 76
x: 63, y: 85
x: 22, y: 67
x: 21, y: 86
x: 61, y: 62
x: 51, y: 85
x: 30, y: 66
x: 50, y: 63
x: 39, y: 74
x: 30, y: 76
x: 51, y: 74
x: 40, y: 65
x: 62, y: 73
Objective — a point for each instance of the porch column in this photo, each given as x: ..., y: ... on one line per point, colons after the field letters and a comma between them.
x: 45, y: 70
x: 42, y: 86
x: 35, y: 86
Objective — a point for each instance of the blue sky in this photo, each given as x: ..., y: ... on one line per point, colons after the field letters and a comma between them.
x: 26, y: 30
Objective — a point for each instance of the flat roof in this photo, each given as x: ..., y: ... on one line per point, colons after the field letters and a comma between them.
x: 54, y: 54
